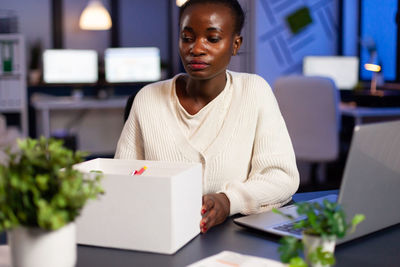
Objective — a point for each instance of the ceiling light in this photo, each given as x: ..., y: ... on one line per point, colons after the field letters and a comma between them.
x: 180, y: 2
x: 95, y: 17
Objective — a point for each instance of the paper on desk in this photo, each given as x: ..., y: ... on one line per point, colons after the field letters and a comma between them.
x: 5, y: 260
x: 233, y: 259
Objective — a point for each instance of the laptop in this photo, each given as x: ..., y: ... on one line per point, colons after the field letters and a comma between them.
x: 370, y: 185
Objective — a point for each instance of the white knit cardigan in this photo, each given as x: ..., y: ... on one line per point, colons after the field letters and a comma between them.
x: 251, y: 160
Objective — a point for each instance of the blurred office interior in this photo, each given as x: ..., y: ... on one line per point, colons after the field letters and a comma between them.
x: 279, y: 37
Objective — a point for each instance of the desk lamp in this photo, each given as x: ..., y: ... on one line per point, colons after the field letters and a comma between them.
x: 373, y: 66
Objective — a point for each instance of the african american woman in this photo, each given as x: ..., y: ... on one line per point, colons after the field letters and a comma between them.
x: 228, y: 121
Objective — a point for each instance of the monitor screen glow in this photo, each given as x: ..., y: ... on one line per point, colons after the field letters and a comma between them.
x: 133, y: 64
x: 343, y: 70
x: 70, y: 66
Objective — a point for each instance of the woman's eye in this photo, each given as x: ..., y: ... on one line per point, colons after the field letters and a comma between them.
x: 214, y: 39
x: 186, y: 38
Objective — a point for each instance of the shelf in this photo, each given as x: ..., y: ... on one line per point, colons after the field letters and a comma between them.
x: 10, y: 37
x: 10, y: 110
x: 13, y: 83
x: 14, y: 75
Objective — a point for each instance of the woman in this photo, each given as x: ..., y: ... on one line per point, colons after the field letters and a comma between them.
x: 230, y: 122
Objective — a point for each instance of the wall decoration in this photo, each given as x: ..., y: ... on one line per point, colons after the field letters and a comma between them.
x: 298, y: 20
x: 288, y: 30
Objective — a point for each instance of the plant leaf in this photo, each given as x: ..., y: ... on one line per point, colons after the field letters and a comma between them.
x: 358, y: 218
x: 322, y: 257
x: 290, y: 247
x: 297, y: 262
x: 283, y: 214
x: 40, y: 188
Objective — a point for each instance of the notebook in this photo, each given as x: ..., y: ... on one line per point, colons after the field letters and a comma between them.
x: 370, y: 184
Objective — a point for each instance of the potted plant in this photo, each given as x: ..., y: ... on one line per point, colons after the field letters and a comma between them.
x: 323, y: 224
x: 34, y: 71
x: 41, y: 194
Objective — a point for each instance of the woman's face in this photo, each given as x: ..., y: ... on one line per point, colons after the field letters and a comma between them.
x: 207, y: 41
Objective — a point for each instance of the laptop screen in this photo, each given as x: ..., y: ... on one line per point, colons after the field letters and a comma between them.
x: 342, y: 70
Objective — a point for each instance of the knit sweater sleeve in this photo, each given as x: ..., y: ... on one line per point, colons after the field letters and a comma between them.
x: 273, y: 176
x: 130, y: 143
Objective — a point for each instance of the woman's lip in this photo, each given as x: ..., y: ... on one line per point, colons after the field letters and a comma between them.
x: 197, y: 65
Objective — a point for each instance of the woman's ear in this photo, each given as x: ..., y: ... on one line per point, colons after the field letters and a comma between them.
x: 237, y: 42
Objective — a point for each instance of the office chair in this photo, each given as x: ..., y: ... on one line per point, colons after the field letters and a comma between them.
x: 128, y: 106
x: 310, y: 107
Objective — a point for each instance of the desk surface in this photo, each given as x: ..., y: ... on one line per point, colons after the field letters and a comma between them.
x: 85, y: 118
x: 378, y: 249
x: 359, y: 113
x: 352, y: 110
x: 46, y: 102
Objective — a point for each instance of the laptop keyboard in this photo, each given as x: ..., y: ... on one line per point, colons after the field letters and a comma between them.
x: 289, y: 228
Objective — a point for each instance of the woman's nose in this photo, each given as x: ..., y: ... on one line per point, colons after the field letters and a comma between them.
x: 198, y: 47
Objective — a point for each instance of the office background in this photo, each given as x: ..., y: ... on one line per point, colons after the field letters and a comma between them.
x: 335, y: 30
x: 271, y: 48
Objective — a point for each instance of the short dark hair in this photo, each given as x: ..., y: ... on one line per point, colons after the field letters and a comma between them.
x: 232, y: 4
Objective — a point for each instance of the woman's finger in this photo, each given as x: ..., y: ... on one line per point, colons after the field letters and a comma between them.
x: 214, y: 211
x: 208, y: 221
x: 208, y: 204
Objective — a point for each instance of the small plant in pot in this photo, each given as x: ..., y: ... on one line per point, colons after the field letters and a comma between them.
x: 324, y: 223
x: 41, y: 194
x: 34, y: 73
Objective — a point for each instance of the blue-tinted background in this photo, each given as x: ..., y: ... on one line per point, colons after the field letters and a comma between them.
x: 378, y: 22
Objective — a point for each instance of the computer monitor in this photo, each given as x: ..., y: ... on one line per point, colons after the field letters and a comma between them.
x: 133, y: 64
x: 343, y: 70
x: 70, y: 66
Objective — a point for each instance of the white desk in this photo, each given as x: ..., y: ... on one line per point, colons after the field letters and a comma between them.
x: 44, y: 105
x: 359, y: 113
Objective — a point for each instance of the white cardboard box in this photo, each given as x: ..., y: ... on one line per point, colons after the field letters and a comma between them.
x: 158, y: 211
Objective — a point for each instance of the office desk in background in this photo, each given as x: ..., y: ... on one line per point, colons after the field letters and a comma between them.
x: 96, y: 122
x: 378, y: 249
x: 361, y: 113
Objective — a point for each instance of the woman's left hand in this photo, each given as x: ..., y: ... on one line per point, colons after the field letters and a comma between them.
x: 215, y: 210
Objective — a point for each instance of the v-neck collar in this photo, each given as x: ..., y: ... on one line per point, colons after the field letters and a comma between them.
x: 175, y: 98
x: 222, y: 139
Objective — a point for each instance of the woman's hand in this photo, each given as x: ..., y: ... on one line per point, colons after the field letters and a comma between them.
x: 215, y: 210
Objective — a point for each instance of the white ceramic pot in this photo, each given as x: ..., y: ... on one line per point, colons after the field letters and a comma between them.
x: 34, y: 247
x: 312, y: 242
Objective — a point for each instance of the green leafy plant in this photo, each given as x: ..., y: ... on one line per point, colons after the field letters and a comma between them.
x: 325, y: 258
x: 289, y: 248
x: 326, y: 221
x: 40, y: 188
